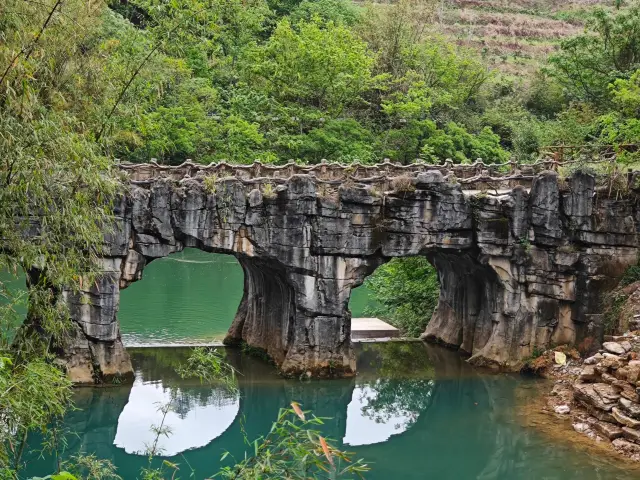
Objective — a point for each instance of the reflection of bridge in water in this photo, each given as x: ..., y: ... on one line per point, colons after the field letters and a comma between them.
x: 406, y: 412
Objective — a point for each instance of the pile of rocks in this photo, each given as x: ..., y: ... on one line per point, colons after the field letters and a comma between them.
x: 608, y: 389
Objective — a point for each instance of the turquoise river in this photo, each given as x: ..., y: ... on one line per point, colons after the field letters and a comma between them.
x: 414, y: 411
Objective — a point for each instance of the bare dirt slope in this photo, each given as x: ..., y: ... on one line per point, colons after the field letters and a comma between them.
x: 515, y: 36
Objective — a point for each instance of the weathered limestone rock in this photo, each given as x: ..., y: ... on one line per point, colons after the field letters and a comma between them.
x: 631, y: 434
x: 630, y: 408
x: 628, y: 373
x: 626, y: 447
x: 593, y: 359
x: 623, y: 419
x: 518, y: 271
x: 589, y: 374
x: 625, y: 345
x: 608, y: 430
x: 626, y: 390
x: 599, y: 395
x: 609, y: 364
x: 615, y: 348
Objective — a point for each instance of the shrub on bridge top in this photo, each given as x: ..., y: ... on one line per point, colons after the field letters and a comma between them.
x: 457, y: 143
x: 403, y: 183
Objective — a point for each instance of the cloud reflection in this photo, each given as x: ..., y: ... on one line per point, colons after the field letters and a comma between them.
x: 194, y: 420
x: 365, y: 428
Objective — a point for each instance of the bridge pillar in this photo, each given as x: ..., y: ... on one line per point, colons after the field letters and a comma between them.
x: 300, y: 320
x: 94, y: 352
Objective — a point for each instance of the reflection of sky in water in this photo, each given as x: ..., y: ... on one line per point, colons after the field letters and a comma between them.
x: 407, y: 428
x: 191, y: 423
x: 195, y: 423
x: 364, y: 428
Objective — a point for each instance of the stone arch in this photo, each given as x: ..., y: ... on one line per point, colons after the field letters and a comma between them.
x: 521, y: 268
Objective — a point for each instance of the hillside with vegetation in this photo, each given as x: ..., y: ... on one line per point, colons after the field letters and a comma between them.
x: 325, y: 79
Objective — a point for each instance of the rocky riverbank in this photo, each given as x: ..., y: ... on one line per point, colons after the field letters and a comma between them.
x: 600, y: 394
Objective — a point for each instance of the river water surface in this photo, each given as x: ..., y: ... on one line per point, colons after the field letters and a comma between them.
x: 191, y: 296
x: 414, y: 411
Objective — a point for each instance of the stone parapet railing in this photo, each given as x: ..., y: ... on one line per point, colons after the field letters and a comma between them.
x: 479, y: 175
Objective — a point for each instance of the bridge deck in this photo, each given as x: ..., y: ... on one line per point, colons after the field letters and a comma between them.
x: 367, y: 328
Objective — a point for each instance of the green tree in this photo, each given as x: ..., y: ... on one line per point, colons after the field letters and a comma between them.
x: 318, y: 65
x: 336, y: 11
x: 609, y: 50
x: 408, y: 291
x: 56, y: 188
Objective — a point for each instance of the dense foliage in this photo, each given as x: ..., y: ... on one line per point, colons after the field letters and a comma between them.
x: 212, y: 80
x: 407, y: 290
x: 52, y: 175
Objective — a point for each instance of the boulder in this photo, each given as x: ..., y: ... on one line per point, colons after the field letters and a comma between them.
x: 631, y: 434
x: 628, y: 373
x: 606, y: 391
x: 600, y: 395
x: 598, y: 414
x: 626, y: 390
x: 632, y: 409
x: 609, y: 363
x: 626, y: 447
x: 633, y: 373
x: 581, y: 427
x: 589, y: 374
x: 593, y: 359
x: 610, y: 355
x: 562, y: 409
x: 614, y: 347
x: 615, y: 338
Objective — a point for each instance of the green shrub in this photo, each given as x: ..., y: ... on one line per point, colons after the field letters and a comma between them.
x: 407, y: 290
x: 631, y: 275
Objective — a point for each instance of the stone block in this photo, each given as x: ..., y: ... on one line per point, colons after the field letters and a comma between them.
x: 608, y: 430
x: 589, y: 374
x: 623, y: 419
x: 631, y: 434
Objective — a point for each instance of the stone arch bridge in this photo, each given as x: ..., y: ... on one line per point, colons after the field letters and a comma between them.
x: 522, y: 254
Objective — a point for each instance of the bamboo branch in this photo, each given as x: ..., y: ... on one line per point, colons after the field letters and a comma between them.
x: 29, y: 50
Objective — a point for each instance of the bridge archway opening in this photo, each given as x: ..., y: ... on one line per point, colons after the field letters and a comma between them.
x: 188, y: 297
x: 441, y: 295
x: 469, y: 297
x: 402, y: 291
